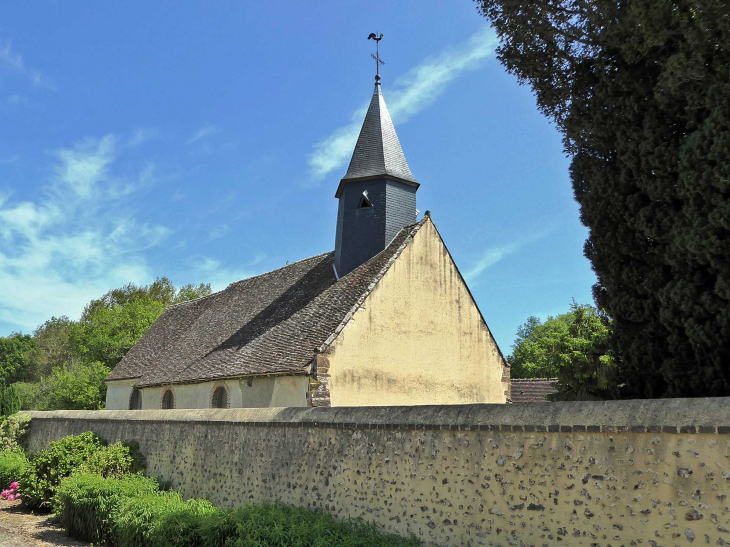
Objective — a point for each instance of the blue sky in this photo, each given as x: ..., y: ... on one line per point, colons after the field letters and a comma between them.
x: 204, y: 141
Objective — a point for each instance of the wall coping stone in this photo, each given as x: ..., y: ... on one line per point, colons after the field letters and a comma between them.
x: 681, y: 416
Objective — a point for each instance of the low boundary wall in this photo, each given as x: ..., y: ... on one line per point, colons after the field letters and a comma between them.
x: 605, y: 473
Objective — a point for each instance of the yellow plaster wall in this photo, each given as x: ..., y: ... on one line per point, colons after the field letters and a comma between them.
x: 264, y: 391
x: 417, y: 339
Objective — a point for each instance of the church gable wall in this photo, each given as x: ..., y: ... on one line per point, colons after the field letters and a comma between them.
x: 418, y: 338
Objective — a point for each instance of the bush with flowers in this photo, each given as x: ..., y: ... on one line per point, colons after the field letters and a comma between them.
x: 11, y: 494
x: 13, y: 464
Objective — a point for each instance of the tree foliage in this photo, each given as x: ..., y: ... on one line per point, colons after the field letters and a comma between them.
x: 52, y: 347
x: 75, y: 387
x: 14, y: 350
x: 640, y: 92
x: 573, y: 347
x: 64, y: 364
x: 112, y: 324
x: 535, y: 351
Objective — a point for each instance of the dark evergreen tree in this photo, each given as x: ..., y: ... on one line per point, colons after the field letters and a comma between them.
x: 641, y: 93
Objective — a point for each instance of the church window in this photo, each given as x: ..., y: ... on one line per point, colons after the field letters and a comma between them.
x: 220, y: 398
x: 364, y: 201
x: 135, y: 399
x: 168, y: 400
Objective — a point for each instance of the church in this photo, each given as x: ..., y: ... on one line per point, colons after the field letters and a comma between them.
x: 384, y: 319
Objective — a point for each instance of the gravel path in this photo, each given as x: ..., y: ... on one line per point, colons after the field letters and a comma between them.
x: 20, y: 527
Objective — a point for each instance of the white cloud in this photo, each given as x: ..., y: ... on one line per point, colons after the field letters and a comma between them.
x: 492, y: 255
x: 217, y: 232
x: 143, y: 134
x: 14, y: 62
x: 413, y: 92
x: 489, y: 258
x: 84, y: 167
x: 219, y: 276
x: 76, y: 241
x: 203, y: 132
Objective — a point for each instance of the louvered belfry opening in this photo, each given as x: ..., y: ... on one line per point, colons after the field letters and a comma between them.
x: 377, y: 194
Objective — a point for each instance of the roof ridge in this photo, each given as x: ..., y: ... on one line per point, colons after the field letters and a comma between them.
x: 413, y: 230
x: 278, y: 269
x: 245, y: 279
x: 533, y: 379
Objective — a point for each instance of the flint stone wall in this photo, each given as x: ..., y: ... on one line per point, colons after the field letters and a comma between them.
x: 607, y: 473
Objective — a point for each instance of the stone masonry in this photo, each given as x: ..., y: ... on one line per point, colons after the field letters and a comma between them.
x: 607, y: 473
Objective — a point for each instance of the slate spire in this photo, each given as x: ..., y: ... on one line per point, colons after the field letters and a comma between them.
x: 377, y: 195
x: 378, y: 152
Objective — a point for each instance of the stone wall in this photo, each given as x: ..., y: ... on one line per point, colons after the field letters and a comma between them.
x: 610, y: 473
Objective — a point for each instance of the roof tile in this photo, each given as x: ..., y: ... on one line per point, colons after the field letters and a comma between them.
x: 268, y: 324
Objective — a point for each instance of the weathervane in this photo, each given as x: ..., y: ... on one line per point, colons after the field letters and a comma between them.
x: 378, y: 61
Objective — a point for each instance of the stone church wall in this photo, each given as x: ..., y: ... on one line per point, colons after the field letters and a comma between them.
x: 608, y: 473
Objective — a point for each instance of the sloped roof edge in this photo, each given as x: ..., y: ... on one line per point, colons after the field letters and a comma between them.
x: 371, y: 287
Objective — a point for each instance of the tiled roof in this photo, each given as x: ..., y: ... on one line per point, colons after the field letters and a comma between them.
x: 532, y: 390
x: 268, y: 324
x: 378, y: 151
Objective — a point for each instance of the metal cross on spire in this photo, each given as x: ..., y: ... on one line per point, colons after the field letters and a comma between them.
x: 378, y: 61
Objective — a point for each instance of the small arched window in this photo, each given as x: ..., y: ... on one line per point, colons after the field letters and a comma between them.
x: 220, y: 398
x: 135, y: 399
x: 168, y: 400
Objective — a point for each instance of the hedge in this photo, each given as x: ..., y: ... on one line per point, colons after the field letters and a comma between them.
x: 86, y: 501
x: 132, y: 512
x: 74, y: 454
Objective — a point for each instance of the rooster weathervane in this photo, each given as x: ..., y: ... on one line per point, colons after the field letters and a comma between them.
x: 378, y: 61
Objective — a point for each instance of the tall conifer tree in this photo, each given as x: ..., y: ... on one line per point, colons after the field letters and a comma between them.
x: 641, y: 93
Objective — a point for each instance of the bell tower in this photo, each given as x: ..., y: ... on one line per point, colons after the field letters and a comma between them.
x: 378, y: 193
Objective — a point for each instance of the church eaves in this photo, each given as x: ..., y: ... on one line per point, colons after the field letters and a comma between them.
x: 378, y: 153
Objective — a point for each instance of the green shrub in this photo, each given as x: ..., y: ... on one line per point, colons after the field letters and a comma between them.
x: 278, y: 524
x: 12, y: 430
x: 48, y: 467
x: 30, y: 394
x: 162, y: 519
x: 13, y: 464
x: 85, y: 502
x: 9, y: 400
x: 84, y: 453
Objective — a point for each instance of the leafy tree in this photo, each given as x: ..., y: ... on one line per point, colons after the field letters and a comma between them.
x: 640, y: 92
x: 52, y: 347
x: 29, y: 394
x: 161, y: 290
x: 112, y: 324
x: 535, y: 351
x: 189, y: 292
x: 75, y: 387
x: 573, y: 347
x: 585, y: 362
x: 14, y: 350
x: 106, y: 334
x: 64, y: 364
x: 9, y: 400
